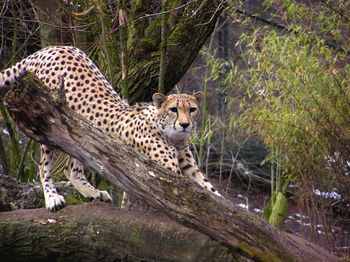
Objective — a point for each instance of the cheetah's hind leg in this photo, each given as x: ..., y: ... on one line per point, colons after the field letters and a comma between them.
x: 75, y: 173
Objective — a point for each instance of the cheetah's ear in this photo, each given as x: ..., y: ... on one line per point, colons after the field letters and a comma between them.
x: 199, y: 97
x: 159, y: 99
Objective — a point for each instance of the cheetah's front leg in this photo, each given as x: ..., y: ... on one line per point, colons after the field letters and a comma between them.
x: 189, y: 167
x: 53, y: 200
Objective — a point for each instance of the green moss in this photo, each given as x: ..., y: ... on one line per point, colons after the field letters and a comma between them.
x: 215, y: 251
x: 75, y: 201
x: 154, y: 29
x: 139, y: 6
x: 255, y: 254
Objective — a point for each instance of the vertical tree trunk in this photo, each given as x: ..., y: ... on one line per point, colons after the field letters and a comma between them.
x: 123, y: 50
x: 163, y: 48
x: 48, y: 12
x: 193, y: 25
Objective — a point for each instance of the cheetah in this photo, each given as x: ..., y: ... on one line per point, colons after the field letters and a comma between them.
x: 159, y: 130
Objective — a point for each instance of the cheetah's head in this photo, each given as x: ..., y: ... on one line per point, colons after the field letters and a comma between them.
x: 177, y: 113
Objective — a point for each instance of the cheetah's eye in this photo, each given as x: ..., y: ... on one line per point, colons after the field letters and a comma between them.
x: 193, y: 109
x: 173, y: 109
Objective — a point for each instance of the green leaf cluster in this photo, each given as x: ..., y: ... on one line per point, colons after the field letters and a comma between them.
x: 297, y: 94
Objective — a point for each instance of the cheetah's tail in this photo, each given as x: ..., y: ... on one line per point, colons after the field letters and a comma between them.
x: 10, y: 75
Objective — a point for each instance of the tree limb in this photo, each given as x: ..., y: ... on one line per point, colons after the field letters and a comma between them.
x: 246, y: 235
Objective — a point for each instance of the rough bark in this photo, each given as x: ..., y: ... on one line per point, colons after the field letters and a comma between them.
x: 248, y: 237
x: 99, y: 232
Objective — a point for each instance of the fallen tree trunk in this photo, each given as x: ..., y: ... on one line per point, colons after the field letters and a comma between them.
x: 248, y: 237
x: 99, y: 232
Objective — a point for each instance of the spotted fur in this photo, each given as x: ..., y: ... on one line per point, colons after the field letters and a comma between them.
x: 159, y: 131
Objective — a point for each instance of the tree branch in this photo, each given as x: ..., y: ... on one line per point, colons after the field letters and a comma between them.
x: 247, y: 236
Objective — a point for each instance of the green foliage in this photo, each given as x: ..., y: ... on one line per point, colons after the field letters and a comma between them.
x: 300, y: 102
x: 293, y: 82
x: 205, y: 119
x: 296, y: 93
x: 17, y: 161
x: 14, y: 161
x: 228, y: 151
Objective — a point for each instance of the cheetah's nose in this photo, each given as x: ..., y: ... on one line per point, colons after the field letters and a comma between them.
x: 184, y: 125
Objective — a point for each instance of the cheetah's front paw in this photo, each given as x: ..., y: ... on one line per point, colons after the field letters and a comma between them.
x: 54, y: 202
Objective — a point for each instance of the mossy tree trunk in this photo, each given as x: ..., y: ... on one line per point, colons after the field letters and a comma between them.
x: 248, y: 237
x: 99, y: 232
